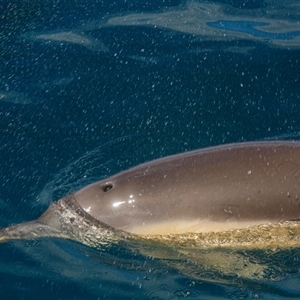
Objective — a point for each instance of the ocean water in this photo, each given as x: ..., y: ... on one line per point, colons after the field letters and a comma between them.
x: 89, y: 88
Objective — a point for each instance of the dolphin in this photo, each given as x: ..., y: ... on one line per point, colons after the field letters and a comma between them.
x: 235, y: 194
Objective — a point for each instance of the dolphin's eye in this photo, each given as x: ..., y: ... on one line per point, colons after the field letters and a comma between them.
x: 106, y: 187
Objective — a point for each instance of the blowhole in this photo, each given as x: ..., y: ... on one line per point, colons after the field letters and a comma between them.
x: 107, y: 187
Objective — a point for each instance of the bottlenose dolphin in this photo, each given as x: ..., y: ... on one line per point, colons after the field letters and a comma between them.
x: 205, y: 193
x: 199, y: 209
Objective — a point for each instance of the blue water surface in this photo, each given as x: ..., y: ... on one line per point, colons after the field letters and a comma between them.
x: 89, y: 88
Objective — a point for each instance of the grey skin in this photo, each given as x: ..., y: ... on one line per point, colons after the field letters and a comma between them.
x: 207, y: 190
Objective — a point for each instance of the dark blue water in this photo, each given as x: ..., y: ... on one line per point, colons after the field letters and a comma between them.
x: 89, y: 88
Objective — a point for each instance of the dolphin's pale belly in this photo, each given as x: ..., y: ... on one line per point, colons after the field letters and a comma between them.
x: 184, y: 226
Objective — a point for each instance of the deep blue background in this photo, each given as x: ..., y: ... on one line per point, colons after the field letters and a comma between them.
x: 148, y: 90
